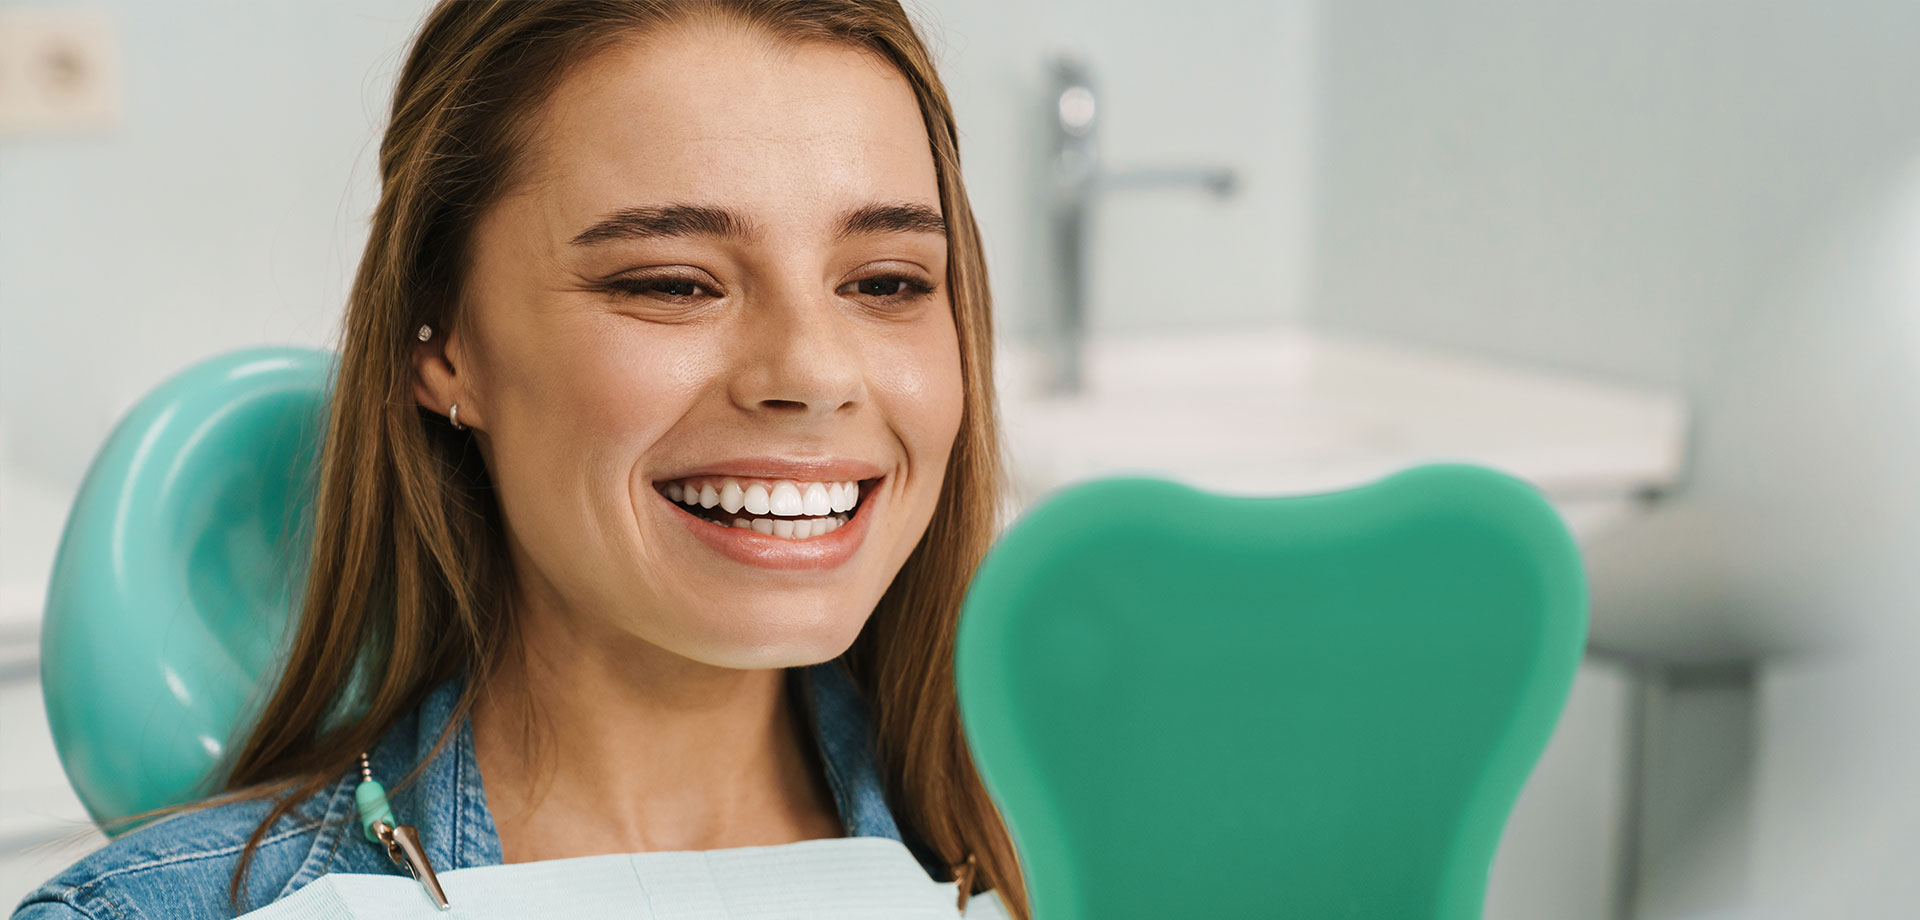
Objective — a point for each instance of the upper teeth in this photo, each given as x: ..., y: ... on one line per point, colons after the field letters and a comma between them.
x: 783, y: 497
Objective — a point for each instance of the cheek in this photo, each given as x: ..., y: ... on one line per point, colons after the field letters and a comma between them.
x: 924, y: 395
x: 577, y: 411
x: 606, y: 392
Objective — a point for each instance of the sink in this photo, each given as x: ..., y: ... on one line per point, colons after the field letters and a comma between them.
x: 1291, y: 410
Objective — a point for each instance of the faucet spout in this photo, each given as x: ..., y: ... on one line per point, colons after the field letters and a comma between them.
x: 1219, y: 180
x: 1078, y: 180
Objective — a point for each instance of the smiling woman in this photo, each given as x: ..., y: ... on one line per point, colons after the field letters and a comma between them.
x: 661, y: 450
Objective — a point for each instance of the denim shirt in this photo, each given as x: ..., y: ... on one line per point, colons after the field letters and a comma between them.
x: 180, y: 867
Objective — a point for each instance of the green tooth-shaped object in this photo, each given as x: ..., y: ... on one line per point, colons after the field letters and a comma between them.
x: 1318, y: 706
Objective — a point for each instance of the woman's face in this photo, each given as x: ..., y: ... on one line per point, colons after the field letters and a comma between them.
x: 711, y: 318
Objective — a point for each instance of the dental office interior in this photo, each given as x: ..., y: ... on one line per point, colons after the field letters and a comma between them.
x: 1660, y: 260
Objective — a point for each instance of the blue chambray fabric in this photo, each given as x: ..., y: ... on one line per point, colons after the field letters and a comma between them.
x: 179, y: 868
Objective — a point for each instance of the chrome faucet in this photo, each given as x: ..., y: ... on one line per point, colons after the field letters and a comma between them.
x: 1077, y: 180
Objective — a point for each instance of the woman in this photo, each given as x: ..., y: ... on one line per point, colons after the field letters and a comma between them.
x: 661, y: 450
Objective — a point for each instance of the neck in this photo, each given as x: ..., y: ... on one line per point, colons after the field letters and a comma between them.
x: 595, y: 742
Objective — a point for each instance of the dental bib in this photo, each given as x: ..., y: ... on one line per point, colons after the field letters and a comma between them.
x: 844, y: 878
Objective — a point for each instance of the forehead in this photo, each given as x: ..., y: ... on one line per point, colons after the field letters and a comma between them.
x: 716, y: 113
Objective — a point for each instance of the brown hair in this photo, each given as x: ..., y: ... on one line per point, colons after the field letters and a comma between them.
x: 409, y: 581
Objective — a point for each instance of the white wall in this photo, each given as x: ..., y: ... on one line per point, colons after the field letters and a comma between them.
x: 226, y: 210
x: 1838, y: 810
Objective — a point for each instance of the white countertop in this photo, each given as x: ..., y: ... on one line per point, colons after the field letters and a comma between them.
x: 1289, y: 410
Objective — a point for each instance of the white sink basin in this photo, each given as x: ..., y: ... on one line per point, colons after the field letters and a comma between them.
x: 1285, y: 410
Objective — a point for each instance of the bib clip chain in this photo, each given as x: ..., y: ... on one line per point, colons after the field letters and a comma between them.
x: 401, y: 841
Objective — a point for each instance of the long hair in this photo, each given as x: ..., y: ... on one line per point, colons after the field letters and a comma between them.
x: 409, y: 581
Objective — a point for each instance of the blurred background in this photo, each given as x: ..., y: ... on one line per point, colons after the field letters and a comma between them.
x: 1660, y: 259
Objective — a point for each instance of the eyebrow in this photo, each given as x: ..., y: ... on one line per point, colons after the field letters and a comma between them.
x: 674, y: 220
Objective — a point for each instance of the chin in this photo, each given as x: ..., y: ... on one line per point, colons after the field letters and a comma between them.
x: 777, y: 638
x: 769, y: 657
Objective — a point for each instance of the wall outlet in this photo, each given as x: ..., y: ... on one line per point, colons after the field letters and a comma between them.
x: 59, y: 71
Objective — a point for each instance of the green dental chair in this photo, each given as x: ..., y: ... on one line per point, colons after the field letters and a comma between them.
x: 180, y: 561
x: 1187, y: 705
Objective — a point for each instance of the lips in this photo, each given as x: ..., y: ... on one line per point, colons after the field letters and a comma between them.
x: 777, y: 514
x: 823, y: 469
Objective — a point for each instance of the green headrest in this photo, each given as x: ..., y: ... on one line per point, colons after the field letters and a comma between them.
x: 1190, y: 705
x: 180, y: 563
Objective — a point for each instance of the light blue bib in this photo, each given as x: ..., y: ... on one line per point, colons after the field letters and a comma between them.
x: 840, y: 878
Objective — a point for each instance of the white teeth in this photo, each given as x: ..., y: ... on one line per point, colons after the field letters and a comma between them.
x: 805, y: 528
x: 755, y: 501
x: 816, y: 502
x: 786, y: 499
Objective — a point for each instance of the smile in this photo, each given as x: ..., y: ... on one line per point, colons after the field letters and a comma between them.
x: 784, y: 508
x: 778, y: 514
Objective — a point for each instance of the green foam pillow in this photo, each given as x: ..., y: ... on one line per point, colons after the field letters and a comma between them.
x: 1325, y: 706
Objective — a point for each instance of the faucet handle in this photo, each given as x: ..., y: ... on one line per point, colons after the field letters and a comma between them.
x: 1073, y: 96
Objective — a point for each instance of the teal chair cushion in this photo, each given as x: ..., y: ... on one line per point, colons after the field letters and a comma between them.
x: 181, y: 560
x: 1324, y: 706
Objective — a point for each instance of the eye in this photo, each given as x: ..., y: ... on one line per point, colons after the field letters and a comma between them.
x: 668, y: 288
x: 901, y: 288
x: 679, y: 289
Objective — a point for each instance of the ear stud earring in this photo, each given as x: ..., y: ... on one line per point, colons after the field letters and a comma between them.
x: 425, y: 333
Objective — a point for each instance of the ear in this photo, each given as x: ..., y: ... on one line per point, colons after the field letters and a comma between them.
x: 441, y: 377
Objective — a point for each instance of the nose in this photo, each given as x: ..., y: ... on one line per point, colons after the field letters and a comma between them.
x: 799, y: 357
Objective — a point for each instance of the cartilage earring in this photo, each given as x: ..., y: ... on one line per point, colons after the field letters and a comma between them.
x: 453, y: 415
x: 425, y: 333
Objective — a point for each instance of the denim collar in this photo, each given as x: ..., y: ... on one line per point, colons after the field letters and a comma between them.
x: 447, y: 804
